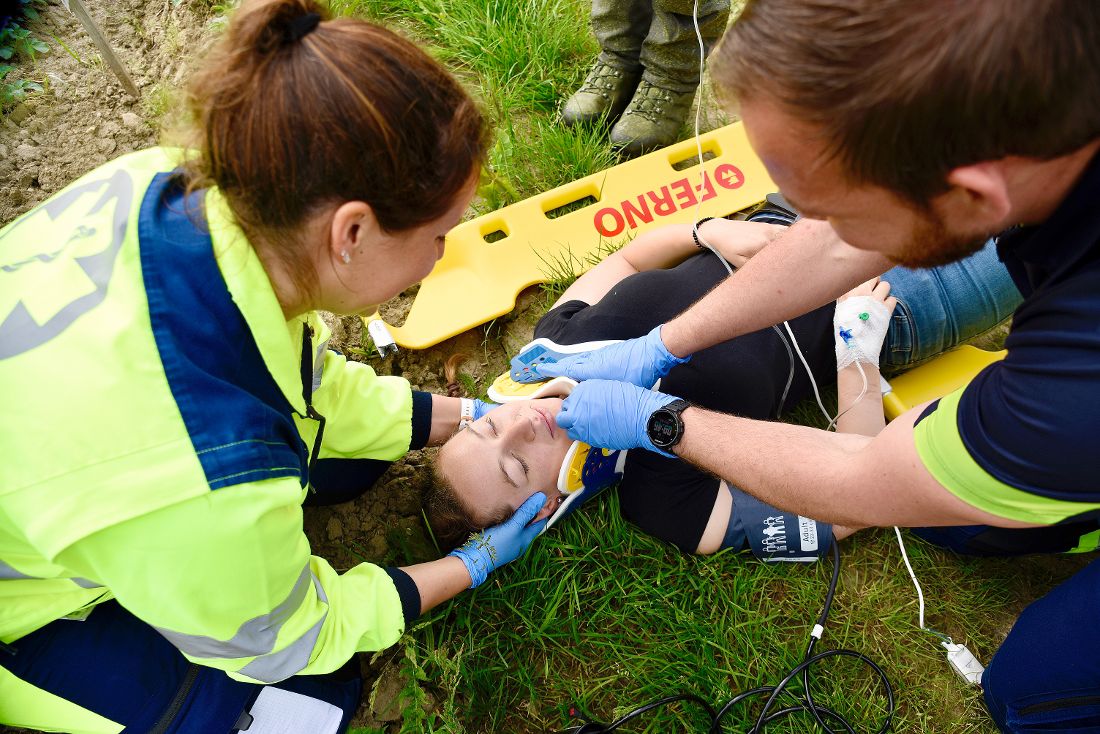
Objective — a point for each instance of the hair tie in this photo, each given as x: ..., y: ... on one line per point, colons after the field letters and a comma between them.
x: 302, y: 26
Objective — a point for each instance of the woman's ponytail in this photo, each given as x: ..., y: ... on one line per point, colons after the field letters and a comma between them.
x: 295, y: 112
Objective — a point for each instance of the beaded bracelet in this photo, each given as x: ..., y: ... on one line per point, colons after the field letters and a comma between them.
x: 695, y: 232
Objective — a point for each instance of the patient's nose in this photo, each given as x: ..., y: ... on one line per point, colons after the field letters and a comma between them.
x: 522, y: 428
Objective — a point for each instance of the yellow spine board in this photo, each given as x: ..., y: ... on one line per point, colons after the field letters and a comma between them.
x: 936, y: 378
x: 478, y: 280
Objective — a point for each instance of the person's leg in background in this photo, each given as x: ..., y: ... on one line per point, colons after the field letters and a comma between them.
x: 670, y: 59
x: 939, y: 308
x: 620, y: 26
x: 113, y: 671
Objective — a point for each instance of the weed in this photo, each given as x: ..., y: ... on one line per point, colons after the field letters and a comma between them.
x: 17, y: 43
x: 12, y: 93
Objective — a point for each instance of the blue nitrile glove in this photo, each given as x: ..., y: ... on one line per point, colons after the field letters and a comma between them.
x: 481, y: 408
x: 640, y: 361
x: 611, y: 415
x: 492, y: 548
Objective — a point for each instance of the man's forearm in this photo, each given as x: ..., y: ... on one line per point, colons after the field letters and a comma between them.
x: 795, y: 468
x: 805, y: 268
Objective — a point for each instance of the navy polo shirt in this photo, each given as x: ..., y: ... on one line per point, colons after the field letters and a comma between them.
x: 1022, y: 440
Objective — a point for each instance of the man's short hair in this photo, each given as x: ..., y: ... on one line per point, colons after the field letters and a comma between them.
x: 904, y: 91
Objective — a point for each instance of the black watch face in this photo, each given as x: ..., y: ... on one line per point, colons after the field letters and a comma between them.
x: 662, y: 428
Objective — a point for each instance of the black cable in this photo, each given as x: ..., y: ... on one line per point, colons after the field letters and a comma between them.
x: 794, y: 704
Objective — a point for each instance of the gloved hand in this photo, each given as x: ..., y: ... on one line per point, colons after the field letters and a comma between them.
x: 611, y: 415
x: 860, y: 323
x: 492, y: 548
x: 481, y: 408
x: 639, y: 361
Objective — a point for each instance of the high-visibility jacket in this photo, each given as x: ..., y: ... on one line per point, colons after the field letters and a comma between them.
x: 156, y: 439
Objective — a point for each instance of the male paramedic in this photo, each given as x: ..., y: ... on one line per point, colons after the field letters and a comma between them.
x: 910, y: 133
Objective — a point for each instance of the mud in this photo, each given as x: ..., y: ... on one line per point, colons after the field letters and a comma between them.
x: 84, y: 119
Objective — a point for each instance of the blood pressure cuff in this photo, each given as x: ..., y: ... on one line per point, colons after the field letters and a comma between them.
x: 773, y: 535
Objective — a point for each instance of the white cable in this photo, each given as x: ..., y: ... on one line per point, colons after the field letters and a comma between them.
x: 913, y: 576
x: 699, y: 200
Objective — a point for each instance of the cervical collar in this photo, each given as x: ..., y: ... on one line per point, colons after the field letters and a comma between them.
x: 585, y: 472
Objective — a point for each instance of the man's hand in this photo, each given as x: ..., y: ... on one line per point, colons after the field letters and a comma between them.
x: 492, y: 548
x: 639, y: 361
x: 611, y: 415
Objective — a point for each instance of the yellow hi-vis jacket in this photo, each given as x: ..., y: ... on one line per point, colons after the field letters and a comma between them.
x: 155, y: 440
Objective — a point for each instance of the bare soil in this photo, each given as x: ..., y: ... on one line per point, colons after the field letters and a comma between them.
x: 84, y: 119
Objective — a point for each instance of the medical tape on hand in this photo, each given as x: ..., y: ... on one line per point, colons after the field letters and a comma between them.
x: 859, y: 328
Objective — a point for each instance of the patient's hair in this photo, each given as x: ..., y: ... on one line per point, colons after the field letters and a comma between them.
x: 450, y: 519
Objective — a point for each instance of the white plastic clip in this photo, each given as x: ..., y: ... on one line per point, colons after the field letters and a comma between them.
x: 964, y: 663
x: 817, y: 632
x: 380, y: 335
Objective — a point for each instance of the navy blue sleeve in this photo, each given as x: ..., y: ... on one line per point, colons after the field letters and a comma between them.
x: 1031, y: 420
x: 421, y: 419
x: 406, y: 589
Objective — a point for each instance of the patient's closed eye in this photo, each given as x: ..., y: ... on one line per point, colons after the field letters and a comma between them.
x: 522, y: 463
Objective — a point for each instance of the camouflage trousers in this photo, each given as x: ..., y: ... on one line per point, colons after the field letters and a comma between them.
x: 658, y: 37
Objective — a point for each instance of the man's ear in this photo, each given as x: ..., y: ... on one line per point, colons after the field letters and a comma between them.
x: 979, y: 195
x: 354, y: 229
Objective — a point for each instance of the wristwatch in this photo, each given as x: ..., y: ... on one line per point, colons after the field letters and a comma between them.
x: 665, y: 427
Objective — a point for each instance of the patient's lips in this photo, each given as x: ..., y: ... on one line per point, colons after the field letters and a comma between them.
x: 546, y: 419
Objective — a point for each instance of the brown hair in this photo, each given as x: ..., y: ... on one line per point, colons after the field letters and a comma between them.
x: 290, y: 120
x: 903, y: 92
x: 450, y: 519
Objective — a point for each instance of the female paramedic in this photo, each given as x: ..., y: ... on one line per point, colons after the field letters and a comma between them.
x: 171, y: 403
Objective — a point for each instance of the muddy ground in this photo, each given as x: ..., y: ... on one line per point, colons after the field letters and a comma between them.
x: 84, y: 119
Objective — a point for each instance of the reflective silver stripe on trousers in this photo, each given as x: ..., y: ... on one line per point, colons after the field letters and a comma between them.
x: 256, y: 636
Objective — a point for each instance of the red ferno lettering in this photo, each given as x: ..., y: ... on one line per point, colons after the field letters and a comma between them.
x: 678, y: 195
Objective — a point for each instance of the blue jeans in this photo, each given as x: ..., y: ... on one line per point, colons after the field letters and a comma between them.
x: 940, y: 307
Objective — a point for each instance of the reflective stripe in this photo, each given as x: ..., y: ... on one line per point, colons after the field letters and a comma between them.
x: 945, y: 456
x: 319, y: 364
x: 255, y: 637
x: 7, y: 573
x: 291, y: 659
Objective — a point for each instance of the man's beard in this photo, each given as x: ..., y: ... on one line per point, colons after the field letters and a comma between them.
x: 931, y: 245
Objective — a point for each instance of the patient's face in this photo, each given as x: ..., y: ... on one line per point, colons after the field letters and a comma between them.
x: 506, y: 456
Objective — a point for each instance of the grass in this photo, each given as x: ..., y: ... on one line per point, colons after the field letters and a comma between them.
x: 600, y: 616
x: 530, y: 53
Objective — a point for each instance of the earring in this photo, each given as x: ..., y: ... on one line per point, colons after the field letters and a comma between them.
x: 345, y: 257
